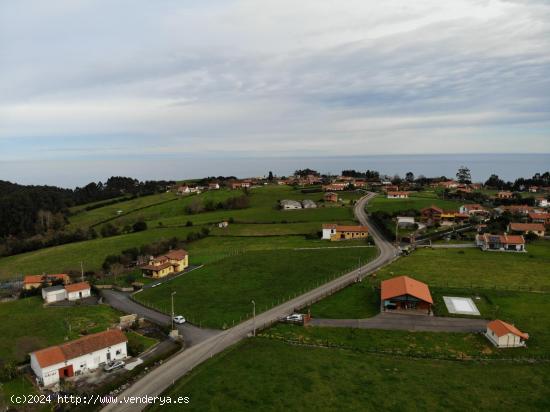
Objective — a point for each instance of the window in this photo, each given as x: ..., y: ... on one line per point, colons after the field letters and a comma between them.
x: 118, y: 352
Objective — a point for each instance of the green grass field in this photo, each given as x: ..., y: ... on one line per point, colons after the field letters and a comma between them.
x: 221, y: 292
x: 263, y: 374
x: 416, y: 201
x: 465, y: 267
x: 144, y: 342
x: 28, y: 326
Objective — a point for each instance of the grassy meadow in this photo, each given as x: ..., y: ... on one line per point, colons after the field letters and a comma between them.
x: 416, y: 201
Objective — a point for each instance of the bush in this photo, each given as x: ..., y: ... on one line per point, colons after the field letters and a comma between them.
x: 109, y: 230
x: 189, y: 223
x: 135, y: 348
x: 139, y: 226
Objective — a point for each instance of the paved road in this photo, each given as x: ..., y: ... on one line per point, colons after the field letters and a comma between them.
x: 159, y: 379
x: 192, y: 335
x: 399, y: 321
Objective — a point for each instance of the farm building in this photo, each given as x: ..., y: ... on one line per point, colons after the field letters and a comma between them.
x: 290, y: 204
x: 405, y: 293
x: 37, y: 281
x: 171, y: 262
x: 505, y: 335
x: 330, y: 197
x: 335, y: 232
x: 74, y: 291
x: 309, y: 204
x: 398, y: 195
x: 501, y: 243
x: 78, y: 356
x: 525, y: 228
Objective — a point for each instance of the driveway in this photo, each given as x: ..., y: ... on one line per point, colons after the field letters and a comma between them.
x: 191, y: 333
x: 399, y: 321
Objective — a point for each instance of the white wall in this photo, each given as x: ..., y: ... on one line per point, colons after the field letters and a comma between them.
x: 327, y: 233
x: 76, y: 295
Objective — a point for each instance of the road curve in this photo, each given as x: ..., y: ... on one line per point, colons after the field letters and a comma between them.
x: 159, y: 379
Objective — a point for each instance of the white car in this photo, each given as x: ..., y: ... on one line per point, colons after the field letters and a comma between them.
x: 113, y: 365
x: 296, y: 317
x: 179, y: 319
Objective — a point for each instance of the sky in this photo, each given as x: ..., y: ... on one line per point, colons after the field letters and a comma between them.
x: 90, y: 88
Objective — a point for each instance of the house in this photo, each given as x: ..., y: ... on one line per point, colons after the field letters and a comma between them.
x: 330, y: 197
x: 541, y: 201
x: 515, y: 209
x: 473, y: 209
x: 223, y: 224
x: 525, y: 228
x: 78, y: 356
x: 37, y: 281
x: 502, y: 243
x: 397, y: 195
x: 390, y: 188
x: 448, y: 184
x: 543, y: 218
x: 239, y: 185
x: 406, y: 222
x: 336, y: 232
x: 504, y: 195
x: 183, y: 190
x: 505, y: 335
x: 431, y: 214
x: 213, y: 186
x: 290, y: 204
x: 533, y: 189
x: 452, y: 217
x: 172, y: 262
x: 309, y: 204
x: 335, y: 187
x: 71, y: 292
x: 405, y: 293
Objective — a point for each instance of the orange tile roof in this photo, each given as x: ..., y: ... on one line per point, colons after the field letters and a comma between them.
x: 502, y: 328
x: 157, y: 267
x: 398, y: 193
x: 404, y: 285
x: 352, y: 228
x: 75, y: 287
x: 527, y: 227
x: 40, y: 278
x: 177, y: 254
x: 82, y: 346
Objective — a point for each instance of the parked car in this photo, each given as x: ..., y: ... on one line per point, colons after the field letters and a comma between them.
x: 294, y: 318
x: 179, y: 319
x: 113, y: 366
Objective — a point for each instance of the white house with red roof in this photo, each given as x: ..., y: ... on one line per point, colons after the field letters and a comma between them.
x: 397, y: 195
x: 78, y: 356
x: 505, y: 335
x: 501, y: 243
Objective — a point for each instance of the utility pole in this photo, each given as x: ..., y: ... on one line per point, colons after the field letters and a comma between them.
x: 253, y: 318
x: 81, y: 272
x: 172, y: 296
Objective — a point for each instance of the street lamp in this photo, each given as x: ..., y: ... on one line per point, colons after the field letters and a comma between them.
x: 253, y: 318
x: 172, y: 296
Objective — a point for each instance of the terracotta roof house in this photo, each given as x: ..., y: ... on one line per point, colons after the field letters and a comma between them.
x: 524, y: 228
x: 171, y: 262
x: 37, y: 281
x: 431, y: 214
x: 405, y: 293
x: 397, y: 195
x: 78, y: 356
x: 501, y: 243
x: 330, y: 197
x: 335, y: 187
x: 336, y: 232
x: 505, y: 335
x: 543, y: 218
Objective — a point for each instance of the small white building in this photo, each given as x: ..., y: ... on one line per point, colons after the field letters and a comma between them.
x: 290, y: 204
x: 542, y: 202
x: 213, y: 186
x: 309, y: 204
x: 78, y: 356
x: 74, y: 291
x: 223, y: 225
x: 405, y: 221
x: 329, y: 230
x: 54, y: 294
x: 504, y: 335
x: 397, y: 195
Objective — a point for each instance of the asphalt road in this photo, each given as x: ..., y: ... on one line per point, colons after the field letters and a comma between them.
x: 401, y: 321
x: 159, y: 379
x: 192, y: 335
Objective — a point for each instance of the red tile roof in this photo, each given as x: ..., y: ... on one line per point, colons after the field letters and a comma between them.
x: 404, y: 285
x: 82, y: 346
x: 75, y: 287
x: 177, y: 254
x: 502, y: 328
x: 527, y: 227
x: 341, y: 228
x: 30, y: 279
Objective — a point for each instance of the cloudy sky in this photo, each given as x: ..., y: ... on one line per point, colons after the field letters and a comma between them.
x: 101, y: 83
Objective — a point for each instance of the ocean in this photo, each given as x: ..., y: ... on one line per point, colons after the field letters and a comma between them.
x: 70, y: 173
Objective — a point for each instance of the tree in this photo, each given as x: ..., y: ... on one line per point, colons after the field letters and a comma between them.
x: 463, y: 175
x: 270, y: 176
x: 495, y: 182
x: 139, y: 226
x: 109, y: 230
x: 409, y: 177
